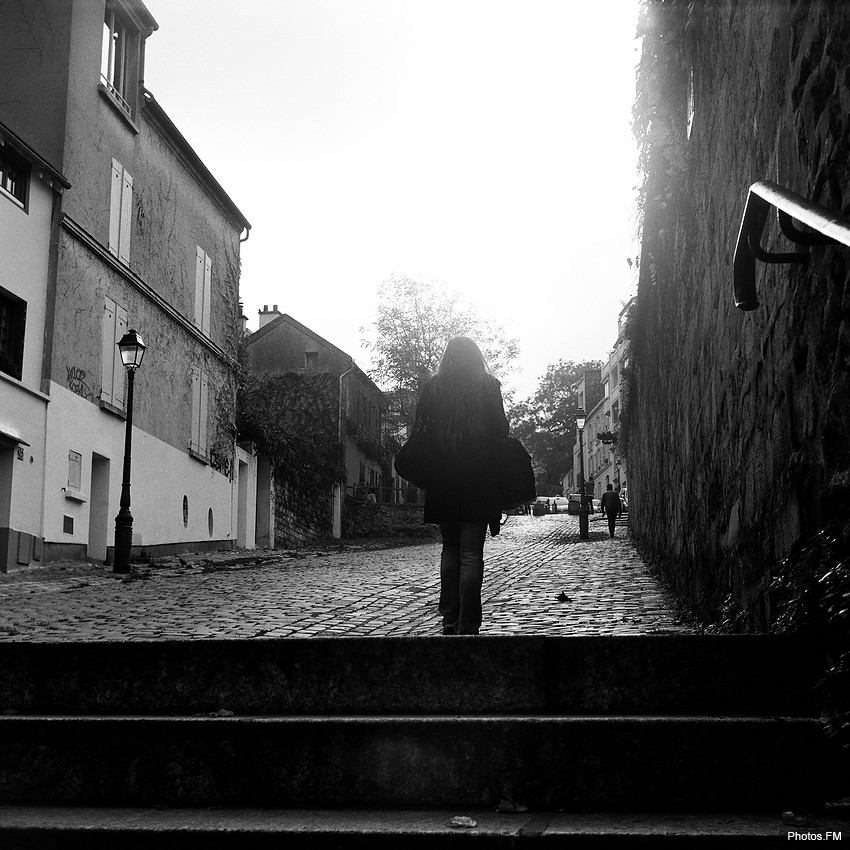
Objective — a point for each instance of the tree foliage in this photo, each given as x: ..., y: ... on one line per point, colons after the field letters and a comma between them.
x: 415, y: 320
x: 545, y: 422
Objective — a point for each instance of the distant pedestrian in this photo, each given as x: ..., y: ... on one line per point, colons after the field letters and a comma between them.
x: 462, y: 411
x: 611, y: 506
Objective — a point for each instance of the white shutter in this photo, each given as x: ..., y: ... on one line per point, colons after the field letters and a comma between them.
x: 194, y: 440
x: 204, y: 412
x: 119, y: 373
x: 115, y: 206
x: 126, y: 218
x: 205, y: 327
x: 200, y: 257
x: 107, y: 350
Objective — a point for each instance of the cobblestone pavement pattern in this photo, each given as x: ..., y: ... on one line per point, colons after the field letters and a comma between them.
x: 539, y: 578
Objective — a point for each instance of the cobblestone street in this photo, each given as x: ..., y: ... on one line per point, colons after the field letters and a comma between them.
x: 539, y: 578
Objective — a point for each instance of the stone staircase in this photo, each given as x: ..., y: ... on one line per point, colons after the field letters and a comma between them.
x: 366, y: 742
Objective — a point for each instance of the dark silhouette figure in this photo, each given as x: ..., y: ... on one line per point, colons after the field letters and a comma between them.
x: 611, y: 506
x: 463, y: 414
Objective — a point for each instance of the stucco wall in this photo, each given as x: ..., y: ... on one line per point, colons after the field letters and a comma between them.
x: 739, y: 434
x: 160, y: 478
x: 163, y: 393
x: 34, y: 49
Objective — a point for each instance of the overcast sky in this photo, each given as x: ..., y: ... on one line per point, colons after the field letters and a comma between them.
x: 484, y: 144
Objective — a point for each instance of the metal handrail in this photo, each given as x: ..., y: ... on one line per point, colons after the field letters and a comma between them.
x: 830, y: 229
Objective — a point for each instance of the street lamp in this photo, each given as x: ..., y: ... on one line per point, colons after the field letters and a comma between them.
x: 582, y: 511
x: 132, y: 349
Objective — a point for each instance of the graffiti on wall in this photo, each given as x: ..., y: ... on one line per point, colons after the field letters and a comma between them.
x: 77, y: 382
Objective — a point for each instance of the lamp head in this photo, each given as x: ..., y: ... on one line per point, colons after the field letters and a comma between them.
x: 580, y: 419
x: 132, y: 348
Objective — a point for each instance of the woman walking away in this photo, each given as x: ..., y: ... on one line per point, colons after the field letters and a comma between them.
x: 463, y: 415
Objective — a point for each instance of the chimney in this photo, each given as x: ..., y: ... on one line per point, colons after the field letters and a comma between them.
x: 267, y: 315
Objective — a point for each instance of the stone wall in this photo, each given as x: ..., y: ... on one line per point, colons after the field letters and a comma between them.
x: 364, y: 519
x: 292, y: 530
x: 738, y: 431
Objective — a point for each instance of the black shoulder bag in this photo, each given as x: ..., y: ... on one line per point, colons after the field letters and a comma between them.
x: 414, y: 460
x: 514, y: 473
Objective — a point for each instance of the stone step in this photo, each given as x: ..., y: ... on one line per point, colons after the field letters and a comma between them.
x: 643, y: 674
x: 544, y: 762
x: 51, y: 828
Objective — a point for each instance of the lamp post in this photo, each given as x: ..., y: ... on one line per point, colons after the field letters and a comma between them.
x: 132, y: 348
x: 582, y: 511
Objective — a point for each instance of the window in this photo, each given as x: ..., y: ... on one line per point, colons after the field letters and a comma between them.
x: 605, y: 388
x: 615, y: 413
x: 119, y: 62
x: 75, y: 471
x: 311, y: 359
x: 13, y: 316
x: 120, y: 212
x: 14, y: 174
x: 112, y: 372
x: 200, y: 411
x: 203, y: 289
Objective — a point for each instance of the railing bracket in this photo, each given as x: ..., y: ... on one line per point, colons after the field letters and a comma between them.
x: 828, y: 228
x: 775, y: 256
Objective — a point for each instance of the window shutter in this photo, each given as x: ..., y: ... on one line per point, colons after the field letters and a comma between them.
x: 204, y: 410
x: 115, y: 206
x: 107, y: 351
x: 75, y: 470
x: 119, y: 373
x: 126, y: 218
x: 205, y: 327
x: 194, y: 440
x: 199, y: 286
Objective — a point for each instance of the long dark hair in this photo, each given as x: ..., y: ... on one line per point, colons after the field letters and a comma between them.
x: 460, y: 382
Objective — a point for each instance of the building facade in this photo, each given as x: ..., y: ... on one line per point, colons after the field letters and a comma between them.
x: 30, y: 210
x: 283, y: 345
x: 604, y: 463
x: 149, y: 240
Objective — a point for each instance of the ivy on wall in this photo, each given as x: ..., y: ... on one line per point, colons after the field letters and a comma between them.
x: 293, y: 419
x: 663, y: 97
x: 371, y: 448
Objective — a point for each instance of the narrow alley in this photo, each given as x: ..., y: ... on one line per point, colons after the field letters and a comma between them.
x: 539, y: 579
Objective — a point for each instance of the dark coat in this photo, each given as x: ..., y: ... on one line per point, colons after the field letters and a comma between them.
x: 611, y: 503
x: 465, y: 486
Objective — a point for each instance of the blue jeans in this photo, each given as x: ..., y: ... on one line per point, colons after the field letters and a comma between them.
x: 461, y: 575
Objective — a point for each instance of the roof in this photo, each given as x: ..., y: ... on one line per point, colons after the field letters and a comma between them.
x: 183, y: 149
x: 9, y: 137
x: 285, y: 318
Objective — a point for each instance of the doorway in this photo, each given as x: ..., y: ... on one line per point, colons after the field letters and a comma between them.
x: 264, y: 538
x: 242, y: 506
x: 98, y: 508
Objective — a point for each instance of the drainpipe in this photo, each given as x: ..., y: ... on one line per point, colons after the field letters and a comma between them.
x: 342, y: 411
x: 337, y: 519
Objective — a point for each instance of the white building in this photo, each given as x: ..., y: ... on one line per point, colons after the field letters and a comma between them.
x: 146, y: 238
x: 603, y: 464
x: 30, y: 198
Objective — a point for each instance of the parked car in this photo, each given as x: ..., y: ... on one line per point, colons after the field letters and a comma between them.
x: 560, y: 504
x: 574, y: 504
